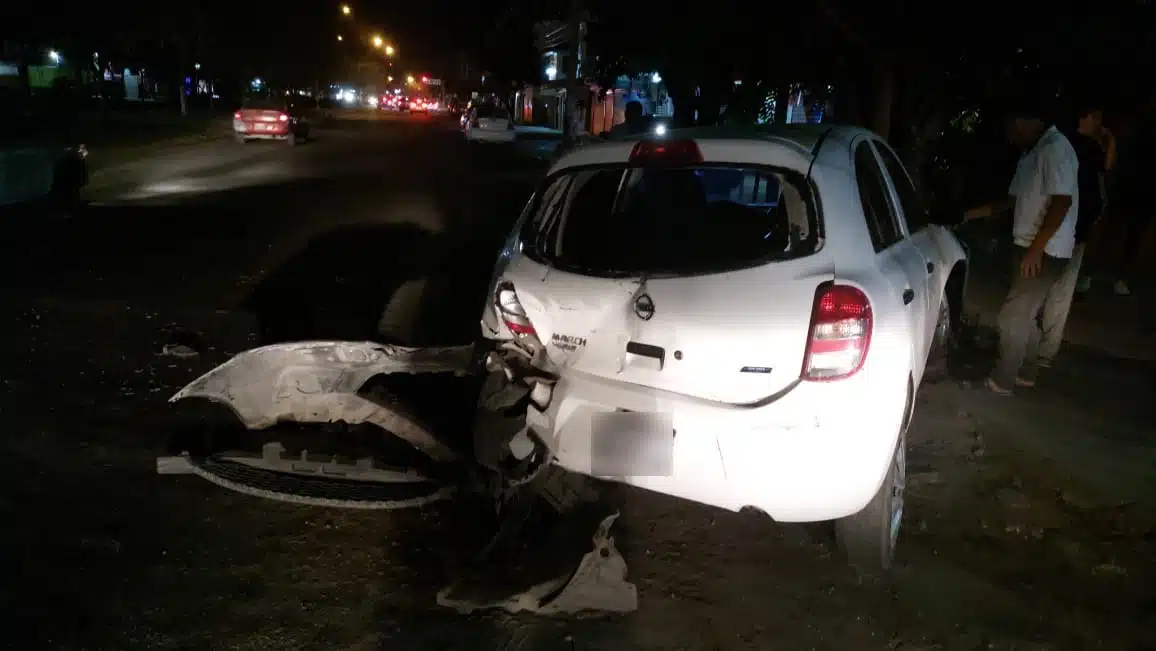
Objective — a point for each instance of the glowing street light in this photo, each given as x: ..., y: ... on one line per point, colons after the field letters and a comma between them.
x: 346, y: 10
x: 340, y: 37
x: 389, y: 78
x: 377, y: 41
x: 54, y: 56
x: 389, y: 50
x: 409, y: 79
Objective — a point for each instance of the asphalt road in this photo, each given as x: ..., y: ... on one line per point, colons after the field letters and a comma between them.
x: 1030, y: 521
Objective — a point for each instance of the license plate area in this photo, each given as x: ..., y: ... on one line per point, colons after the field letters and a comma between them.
x: 631, y: 444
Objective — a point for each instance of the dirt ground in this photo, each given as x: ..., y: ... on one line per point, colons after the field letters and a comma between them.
x: 1031, y: 521
x: 1030, y: 526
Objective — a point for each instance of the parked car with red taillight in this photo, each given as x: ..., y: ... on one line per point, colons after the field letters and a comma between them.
x: 269, y: 119
x: 740, y: 319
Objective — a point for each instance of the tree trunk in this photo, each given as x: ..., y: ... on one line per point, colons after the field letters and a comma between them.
x: 22, y: 70
x: 573, y: 84
x: 782, y: 101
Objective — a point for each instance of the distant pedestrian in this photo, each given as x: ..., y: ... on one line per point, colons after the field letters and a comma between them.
x: 1131, y: 212
x: 1090, y: 155
x: 634, y: 122
x: 1043, y: 198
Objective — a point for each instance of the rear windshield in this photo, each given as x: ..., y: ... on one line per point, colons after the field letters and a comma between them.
x: 492, y: 112
x: 616, y: 222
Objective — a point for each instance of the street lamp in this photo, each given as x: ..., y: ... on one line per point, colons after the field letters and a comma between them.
x: 340, y: 37
x: 346, y: 10
x: 377, y: 41
x: 54, y: 56
x: 409, y: 79
x: 389, y: 50
x: 389, y: 79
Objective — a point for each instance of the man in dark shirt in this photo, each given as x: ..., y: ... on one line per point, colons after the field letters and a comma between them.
x: 1086, y: 142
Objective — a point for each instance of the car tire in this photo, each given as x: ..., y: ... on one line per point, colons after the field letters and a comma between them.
x: 868, y: 537
x: 942, y: 341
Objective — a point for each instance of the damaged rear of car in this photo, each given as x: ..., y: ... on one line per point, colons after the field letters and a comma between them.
x: 683, y: 298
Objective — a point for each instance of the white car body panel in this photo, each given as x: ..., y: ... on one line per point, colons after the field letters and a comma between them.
x: 798, y: 450
x: 489, y: 129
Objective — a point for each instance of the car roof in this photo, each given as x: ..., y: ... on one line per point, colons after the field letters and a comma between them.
x: 798, y: 143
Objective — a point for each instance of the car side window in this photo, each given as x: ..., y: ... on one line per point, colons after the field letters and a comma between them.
x: 881, y: 221
x: 913, y: 212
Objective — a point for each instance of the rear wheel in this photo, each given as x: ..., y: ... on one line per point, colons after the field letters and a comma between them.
x: 869, y: 536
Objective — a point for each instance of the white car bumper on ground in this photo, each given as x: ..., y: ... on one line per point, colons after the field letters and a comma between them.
x: 818, y: 452
x: 491, y: 135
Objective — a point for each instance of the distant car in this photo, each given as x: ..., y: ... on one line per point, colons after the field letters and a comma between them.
x: 418, y: 105
x: 270, y: 119
x: 737, y: 319
x: 38, y: 167
x: 486, y: 123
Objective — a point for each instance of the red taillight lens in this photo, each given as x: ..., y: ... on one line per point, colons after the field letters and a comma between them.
x: 511, y: 311
x: 237, y: 115
x: 840, y: 333
x: 283, y: 117
x: 661, y: 152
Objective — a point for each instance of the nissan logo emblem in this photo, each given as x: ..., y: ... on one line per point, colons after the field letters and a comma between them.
x: 644, y: 307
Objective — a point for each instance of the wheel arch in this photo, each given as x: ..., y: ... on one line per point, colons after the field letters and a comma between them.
x: 955, y: 291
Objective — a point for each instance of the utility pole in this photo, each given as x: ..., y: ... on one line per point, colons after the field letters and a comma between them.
x: 573, y: 83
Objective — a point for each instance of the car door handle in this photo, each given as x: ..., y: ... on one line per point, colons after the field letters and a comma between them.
x: 908, y: 296
x: 930, y: 267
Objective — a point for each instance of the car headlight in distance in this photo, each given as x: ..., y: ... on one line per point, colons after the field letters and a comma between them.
x: 660, y: 129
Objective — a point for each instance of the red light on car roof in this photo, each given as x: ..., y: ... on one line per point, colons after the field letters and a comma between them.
x: 666, y: 152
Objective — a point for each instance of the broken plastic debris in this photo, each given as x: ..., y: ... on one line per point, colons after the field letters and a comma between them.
x: 178, y: 350
x: 599, y: 584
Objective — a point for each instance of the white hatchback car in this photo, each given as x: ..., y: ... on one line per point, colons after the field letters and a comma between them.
x: 487, y: 123
x: 738, y: 318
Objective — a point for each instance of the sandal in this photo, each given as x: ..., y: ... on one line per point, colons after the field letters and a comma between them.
x: 997, y: 389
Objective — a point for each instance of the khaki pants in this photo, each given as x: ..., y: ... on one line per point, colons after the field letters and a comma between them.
x: 1058, y: 305
x: 1020, y: 331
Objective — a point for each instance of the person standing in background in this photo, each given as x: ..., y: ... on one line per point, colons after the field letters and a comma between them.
x: 1042, y: 197
x: 1090, y: 177
x: 1131, y: 174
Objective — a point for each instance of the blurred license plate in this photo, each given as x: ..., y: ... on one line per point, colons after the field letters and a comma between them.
x: 631, y: 444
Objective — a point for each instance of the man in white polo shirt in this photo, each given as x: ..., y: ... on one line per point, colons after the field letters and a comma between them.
x: 1043, y: 196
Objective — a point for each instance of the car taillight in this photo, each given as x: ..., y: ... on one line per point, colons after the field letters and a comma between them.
x: 840, y: 333
x: 661, y: 152
x: 237, y: 115
x: 283, y: 117
x: 511, y: 311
